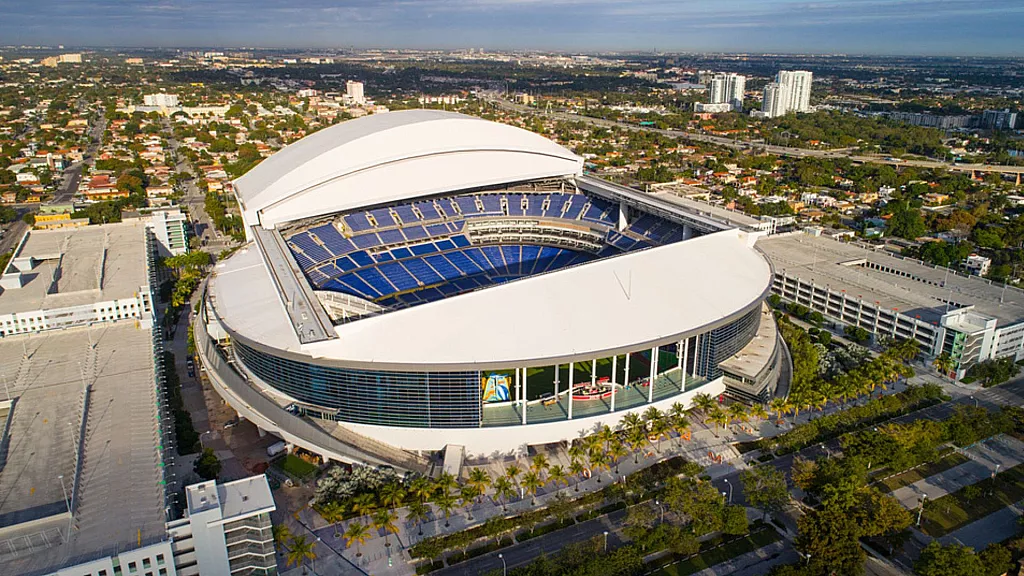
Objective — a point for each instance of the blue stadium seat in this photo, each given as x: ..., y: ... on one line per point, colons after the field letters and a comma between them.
x: 400, y: 253
x: 357, y: 222
x: 405, y: 212
x: 422, y: 272
x: 421, y: 249
x: 536, y: 204
x: 493, y: 254
x: 366, y: 240
x: 415, y: 233
x: 443, y: 266
x: 577, y: 201
x: 398, y: 276
x: 361, y: 258
x: 445, y: 244
x: 467, y: 206
x: 463, y: 262
x: 384, y: 256
x: 435, y: 230
x: 383, y: 217
x: 391, y: 237
x: 492, y: 204
x: 346, y: 264
x: 460, y: 241
x: 478, y: 258
x: 377, y: 281
x: 428, y: 210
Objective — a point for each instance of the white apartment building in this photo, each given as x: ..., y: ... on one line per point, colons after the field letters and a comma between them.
x: 776, y: 98
x: 161, y: 99
x: 354, y: 91
x: 169, y: 227
x: 977, y: 265
x: 728, y: 89
x: 797, y: 84
x: 226, y: 529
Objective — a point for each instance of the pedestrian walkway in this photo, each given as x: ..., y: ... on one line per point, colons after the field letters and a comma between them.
x: 998, y: 453
x: 754, y: 563
x: 995, y: 527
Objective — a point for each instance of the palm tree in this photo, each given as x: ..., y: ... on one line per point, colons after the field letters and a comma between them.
x: 652, y: 414
x: 778, y: 405
x: 391, y: 496
x: 659, y: 428
x: 617, y: 451
x: 301, y: 550
x: 421, y: 488
x: 703, y: 402
x: 631, y: 420
x: 333, y: 513
x: 446, y: 482
x: 718, y: 417
x: 944, y: 363
x: 578, y: 450
x: 532, y: 483
x: 385, y: 519
x: 504, y: 489
x: 418, y: 513
x: 557, y: 475
x: 468, y: 494
x: 512, y: 471
x: 757, y: 412
x: 359, y: 533
x: 480, y: 478
x: 738, y: 411
x: 362, y: 504
x: 605, y: 435
x: 539, y: 464
x: 680, y: 424
x: 637, y: 438
x: 598, y: 461
x: 446, y: 502
x: 281, y: 534
x: 577, y: 468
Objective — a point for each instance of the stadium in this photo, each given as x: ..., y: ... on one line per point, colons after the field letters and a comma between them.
x: 421, y: 280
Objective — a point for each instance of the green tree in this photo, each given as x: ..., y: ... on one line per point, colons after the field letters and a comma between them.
x: 358, y: 533
x: 385, y: 519
x: 207, y: 466
x: 952, y: 560
x: 830, y: 537
x: 734, y: 520
x: 333, y: 513
x: 765, y: 487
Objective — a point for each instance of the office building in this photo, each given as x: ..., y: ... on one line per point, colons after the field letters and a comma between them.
x: 727, y: 89
x: 170, y: 229
x: 380, y: 308
x: 226, y: 529
x: 718, y: 108
x: 354, y: 91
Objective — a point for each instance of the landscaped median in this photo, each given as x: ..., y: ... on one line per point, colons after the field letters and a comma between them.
x: 918, y: 473
x: 717, y: 550
x: 958, y: 509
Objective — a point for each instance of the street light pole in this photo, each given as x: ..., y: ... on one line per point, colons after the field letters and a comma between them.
x: 504, y: 567
x: 730, y: 489
x: 662, y: 507
x: 605, y: 540
x: 924, y: 498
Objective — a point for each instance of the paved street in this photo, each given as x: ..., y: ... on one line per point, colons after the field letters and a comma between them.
x: 73, y: 175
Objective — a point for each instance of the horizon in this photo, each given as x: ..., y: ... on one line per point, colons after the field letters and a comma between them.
x: 987, y: 28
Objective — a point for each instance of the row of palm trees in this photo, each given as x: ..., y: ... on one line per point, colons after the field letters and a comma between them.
x: 592, y: 455
x: 298, y: 549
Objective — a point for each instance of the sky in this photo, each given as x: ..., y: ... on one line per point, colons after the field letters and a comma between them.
x: 942, y: 27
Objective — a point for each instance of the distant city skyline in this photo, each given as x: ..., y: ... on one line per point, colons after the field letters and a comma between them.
x: 906, y: 27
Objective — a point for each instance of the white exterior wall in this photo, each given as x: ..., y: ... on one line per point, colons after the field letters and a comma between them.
x: 159, y: 556
x: 138, y: 307
x: 488, y: 441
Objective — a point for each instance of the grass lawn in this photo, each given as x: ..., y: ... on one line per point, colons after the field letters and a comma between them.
x: 921, y: 472
x: 953, y: 511
x: 726, y: 551
x: 295, y: 466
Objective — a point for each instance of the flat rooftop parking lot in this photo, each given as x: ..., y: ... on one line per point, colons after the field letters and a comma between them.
x: 120, y: 495
x: 80, y: 266
x: 906, y: 285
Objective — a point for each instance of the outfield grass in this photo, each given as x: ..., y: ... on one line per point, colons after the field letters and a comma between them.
x: 907, y: 478
x: 726, y: 551
x: 295, y: 466
x: 953, y: 511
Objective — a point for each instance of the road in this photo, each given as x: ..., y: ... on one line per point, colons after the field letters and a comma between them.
x: 759, y: 146
x: 1011, y: 393
x: 548, y: 544
x: 73, y: 175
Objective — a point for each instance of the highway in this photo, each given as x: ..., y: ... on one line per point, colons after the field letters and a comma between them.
x: 759, y: 146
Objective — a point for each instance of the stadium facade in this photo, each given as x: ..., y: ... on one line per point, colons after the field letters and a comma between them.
x: 423, y: 279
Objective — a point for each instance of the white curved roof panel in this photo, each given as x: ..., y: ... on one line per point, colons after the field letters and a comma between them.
x: 594, y: 310
x: 391, y: 157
